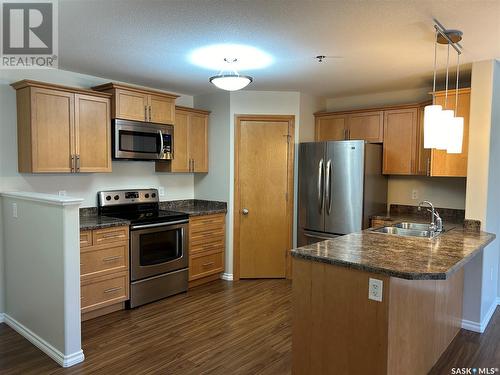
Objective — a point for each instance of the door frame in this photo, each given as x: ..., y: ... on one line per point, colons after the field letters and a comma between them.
x: 290, y: 119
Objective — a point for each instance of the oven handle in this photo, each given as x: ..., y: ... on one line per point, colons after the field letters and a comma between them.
x: 145, y: 226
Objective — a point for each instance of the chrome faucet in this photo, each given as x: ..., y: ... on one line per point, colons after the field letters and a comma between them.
x: 436, y: 222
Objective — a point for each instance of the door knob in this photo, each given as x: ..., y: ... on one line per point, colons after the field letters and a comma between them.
x: 245, y: 211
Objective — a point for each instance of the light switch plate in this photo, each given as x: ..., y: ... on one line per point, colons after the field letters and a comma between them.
x: 375, y: 289
x: 14, y: 210
x: 161, y: 191
x: 414, y: 194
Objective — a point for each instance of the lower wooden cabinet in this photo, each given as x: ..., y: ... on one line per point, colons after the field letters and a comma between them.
x: 104, y: 270
x: 206, y: 248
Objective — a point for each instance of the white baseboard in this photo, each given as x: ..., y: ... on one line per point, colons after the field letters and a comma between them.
x: 2, y: 319
x: 473, y: 326
x: 44, y: 346
x: 227, y: 276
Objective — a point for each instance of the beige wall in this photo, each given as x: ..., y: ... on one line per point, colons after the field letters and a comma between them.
x: 377, y: 99
x: 443, y: 192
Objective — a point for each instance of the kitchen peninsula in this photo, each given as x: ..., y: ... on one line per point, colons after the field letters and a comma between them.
x: 412, y: 317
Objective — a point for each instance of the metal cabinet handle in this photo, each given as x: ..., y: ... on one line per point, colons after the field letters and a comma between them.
x: 194, y: 161
x: 110, y: 259
x: 112, y: 235
x: 72, y: 160
x: 428, y: 167
x: 328, y: 187
x: 207, y: 264
x: 150, y: 113
x: 111, y: 290
x: 77, y: 163
x: 244, y: 211
x: 145, y: 113
x: 320, y: 185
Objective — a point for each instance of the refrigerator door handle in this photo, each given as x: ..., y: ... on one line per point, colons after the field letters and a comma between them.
x: 328, y: 187
x: 320, y: 185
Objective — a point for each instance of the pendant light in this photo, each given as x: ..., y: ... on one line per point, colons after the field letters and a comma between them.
x: 443, y: 130
x: 432, y: 113
x: 456, y: 137
x: 230, y: 81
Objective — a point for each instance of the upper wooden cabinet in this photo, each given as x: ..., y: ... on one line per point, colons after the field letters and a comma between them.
x: 62, y: 129
x: 368, y: 126
x: 400, y: 141
x: 140, y: 104
x: 190, y: 142
x: 330, y: 127
x: 453, y: 165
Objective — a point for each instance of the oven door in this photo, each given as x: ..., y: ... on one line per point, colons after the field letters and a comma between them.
x: 158, y: 248
x: 143, y: 141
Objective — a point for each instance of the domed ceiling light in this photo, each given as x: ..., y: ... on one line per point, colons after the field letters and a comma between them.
x: 231, y: 81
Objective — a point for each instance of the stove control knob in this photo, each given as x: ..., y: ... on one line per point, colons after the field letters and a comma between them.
x: 146, y: 195
x: 108, y: 197
x: 153, y: 195
x: 117, y: 197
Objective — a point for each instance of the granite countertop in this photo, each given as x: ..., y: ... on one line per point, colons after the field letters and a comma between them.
x: 89, y: 222
x: 195, y: 207
x: 409, y: 258
x: 90, y: 219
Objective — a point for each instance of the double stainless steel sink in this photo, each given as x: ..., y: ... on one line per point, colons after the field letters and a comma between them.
x: 409, y: 229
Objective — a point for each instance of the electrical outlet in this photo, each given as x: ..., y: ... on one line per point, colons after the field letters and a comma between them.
x: 375, y: 289
x: 161, y: 191
x: 14, y: 210
x: 62, y: 193
x: 414, y: 194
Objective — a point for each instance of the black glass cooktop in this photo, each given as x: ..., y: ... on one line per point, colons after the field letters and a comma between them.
x: 148, y: 217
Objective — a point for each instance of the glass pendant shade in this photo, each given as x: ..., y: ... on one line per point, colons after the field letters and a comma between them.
x: 231, y: 82
x: 432, y: 117
x: 456, y: 136
x: 443, y: 129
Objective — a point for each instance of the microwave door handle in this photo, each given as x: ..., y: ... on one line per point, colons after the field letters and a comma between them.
x: 161, y: 142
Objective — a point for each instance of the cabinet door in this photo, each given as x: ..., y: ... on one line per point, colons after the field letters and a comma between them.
x: 161, y: 109
x: 453, y: 165
x: 400, y: 135
x: 367, y: 126
x: 198, y: 142
x: 181, y: 150
x: 130, y: 105
x: 92, y: 133
x: 331, y: 128
x: 52, y: 124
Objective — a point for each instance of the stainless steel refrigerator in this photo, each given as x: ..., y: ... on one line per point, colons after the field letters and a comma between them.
x: 340, y: 186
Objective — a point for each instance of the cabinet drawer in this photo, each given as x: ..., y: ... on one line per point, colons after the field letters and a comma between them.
x: 206, y: 265
x: 104, y: 291
x: 206, y: 223
x: 206, y: 237
x: 110, y: 235
x: 210, y: 244
x: 85, y: 238
x: 101, y: 260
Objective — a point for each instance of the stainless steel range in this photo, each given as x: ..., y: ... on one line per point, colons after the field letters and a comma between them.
x: 158, y: 243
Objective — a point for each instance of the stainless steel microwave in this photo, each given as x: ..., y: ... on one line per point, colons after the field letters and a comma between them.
x: 135, y: 140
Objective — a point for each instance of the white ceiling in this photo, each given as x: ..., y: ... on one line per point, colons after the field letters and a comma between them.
x: 386, y: 45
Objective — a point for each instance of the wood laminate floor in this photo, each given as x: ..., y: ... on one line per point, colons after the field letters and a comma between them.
x: 219, y: 328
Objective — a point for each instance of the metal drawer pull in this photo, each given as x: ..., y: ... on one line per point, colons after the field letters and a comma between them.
x: 111, y: 290
x: 207, y: 264
x: 110, y: 259
x: 112, y: 235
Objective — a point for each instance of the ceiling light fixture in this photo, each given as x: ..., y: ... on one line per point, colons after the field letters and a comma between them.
x: 443, y: 129
x: 230, y: 81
